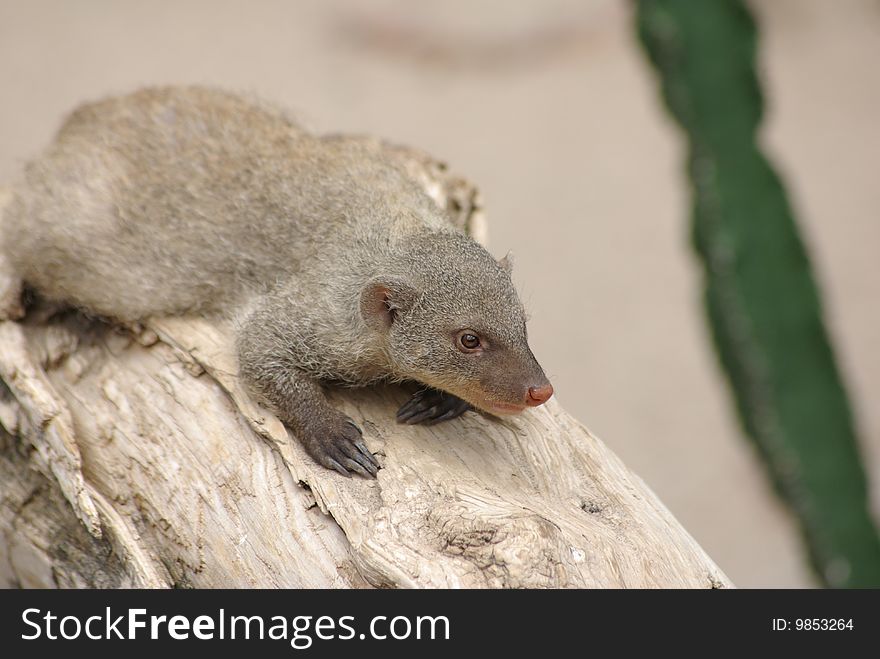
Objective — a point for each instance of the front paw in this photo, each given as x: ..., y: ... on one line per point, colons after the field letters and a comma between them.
x: 430, y: 406
x: 338, y: 444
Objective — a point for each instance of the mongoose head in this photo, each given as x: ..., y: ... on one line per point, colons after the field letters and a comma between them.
x: 452, y: 320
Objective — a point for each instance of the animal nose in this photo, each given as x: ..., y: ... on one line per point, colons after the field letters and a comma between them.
x: 539, y: 395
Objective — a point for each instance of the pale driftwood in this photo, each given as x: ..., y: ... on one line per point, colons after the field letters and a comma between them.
x: 135, y: 458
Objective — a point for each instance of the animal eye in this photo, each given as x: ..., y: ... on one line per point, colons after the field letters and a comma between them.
x: 468, y: 341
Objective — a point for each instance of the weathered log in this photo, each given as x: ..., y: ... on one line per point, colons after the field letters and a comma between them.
x: 134, y: 457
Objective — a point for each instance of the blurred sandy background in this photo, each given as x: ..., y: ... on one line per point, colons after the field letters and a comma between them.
x: 549, y: 106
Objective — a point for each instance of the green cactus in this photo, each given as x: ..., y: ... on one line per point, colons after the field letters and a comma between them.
x: 762, y: 301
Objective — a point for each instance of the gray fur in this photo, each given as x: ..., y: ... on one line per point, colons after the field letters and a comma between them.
x: 193, y: 200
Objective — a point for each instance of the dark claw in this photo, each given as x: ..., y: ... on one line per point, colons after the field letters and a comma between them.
x: 356, y: 454
x: 422, y: 415
x: 366, y: 453
x: 339, y: 445
x: 351, y: 465
x: 451, y: 414
x: 431, y: 406
x: 332, y: 464
x: 411, y: 406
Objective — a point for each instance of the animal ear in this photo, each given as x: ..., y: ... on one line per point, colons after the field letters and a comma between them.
x: 382, y: 300
x: 506, y: 262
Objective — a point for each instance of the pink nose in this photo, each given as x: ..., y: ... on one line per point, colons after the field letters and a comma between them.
x: 539, y: 395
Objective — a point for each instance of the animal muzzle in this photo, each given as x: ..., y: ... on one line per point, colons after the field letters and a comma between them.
x: 512, y: 385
